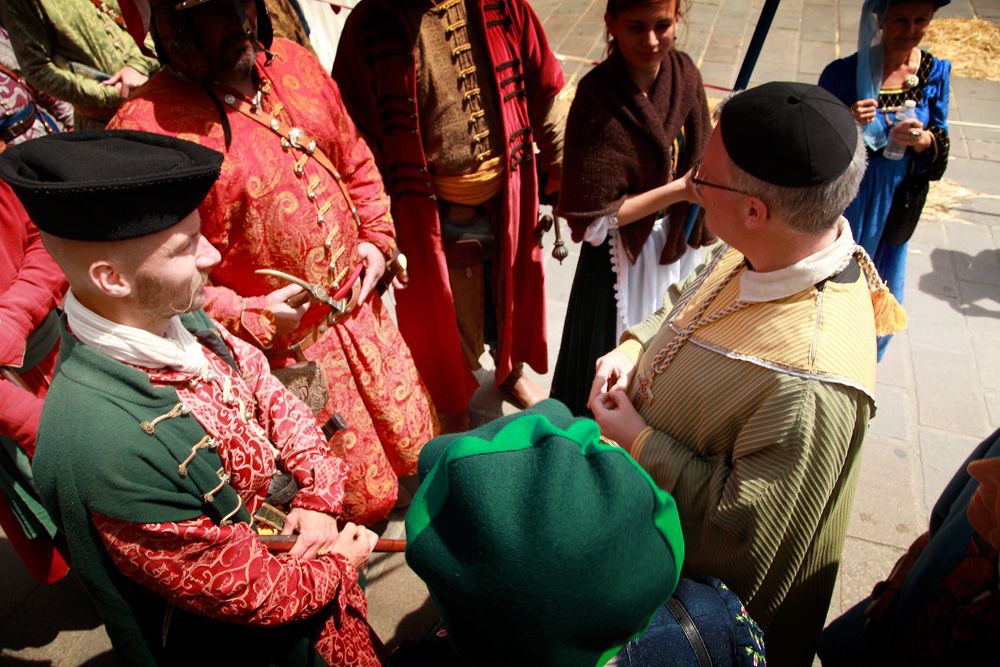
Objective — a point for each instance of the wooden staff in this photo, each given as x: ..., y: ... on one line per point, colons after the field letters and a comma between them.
x: 283, y: 543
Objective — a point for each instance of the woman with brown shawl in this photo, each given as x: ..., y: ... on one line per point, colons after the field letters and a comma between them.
x: 638, y: 121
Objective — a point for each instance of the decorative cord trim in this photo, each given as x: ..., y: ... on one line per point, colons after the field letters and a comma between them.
x: 509, y: 63
x: 223, y: 480
x: 666, y: 354
x: 518, y: 133
x: 444, y: 7
x: 228, y: 519
x: 511, y: 79
x: 207, y: 442
x: 149, y: 427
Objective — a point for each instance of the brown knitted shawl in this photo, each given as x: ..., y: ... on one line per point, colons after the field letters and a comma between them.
x: 619, y: 142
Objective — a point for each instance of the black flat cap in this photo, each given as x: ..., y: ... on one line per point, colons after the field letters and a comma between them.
x: 109, y: 185
x: 790, y: 134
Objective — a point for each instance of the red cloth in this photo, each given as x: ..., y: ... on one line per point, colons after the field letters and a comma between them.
x: 376, y: 72
x: 31, y: 285
x: 259, y: 215
x: 225, y: 572
x: 984, y: 507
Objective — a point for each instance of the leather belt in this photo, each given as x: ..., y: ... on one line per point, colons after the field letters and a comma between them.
x: 21, y: 125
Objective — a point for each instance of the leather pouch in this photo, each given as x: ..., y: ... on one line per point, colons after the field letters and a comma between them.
x: 304, y: 379
x: 469, y: 242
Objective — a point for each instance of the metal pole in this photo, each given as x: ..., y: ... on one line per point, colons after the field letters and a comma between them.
x: 756, y: 43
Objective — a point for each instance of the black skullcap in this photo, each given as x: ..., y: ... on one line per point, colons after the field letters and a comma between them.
x: 109, y: 185
x: 790, y: 134
x: 938, y: 4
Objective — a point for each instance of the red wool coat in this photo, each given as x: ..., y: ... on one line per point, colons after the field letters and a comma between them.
x: 376, y: 71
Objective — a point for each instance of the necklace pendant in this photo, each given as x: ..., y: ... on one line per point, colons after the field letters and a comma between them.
x: 643, y: 391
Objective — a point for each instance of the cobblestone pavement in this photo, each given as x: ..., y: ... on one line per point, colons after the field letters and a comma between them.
x: 938, y: 387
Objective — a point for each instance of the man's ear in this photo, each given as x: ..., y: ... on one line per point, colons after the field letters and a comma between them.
x: 756, y: 214
x: 109, y: 279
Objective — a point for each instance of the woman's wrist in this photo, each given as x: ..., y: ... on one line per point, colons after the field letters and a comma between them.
x: 926, y: 141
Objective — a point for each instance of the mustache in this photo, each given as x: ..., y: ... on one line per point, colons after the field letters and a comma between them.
x: 198, y: 283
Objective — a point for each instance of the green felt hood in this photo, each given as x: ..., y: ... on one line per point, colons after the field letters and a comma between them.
x: 539, y: 543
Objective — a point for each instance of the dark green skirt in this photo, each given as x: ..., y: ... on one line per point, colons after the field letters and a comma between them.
x: 589, y: 329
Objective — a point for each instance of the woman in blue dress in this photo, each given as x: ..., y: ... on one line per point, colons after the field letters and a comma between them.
x: 888, y: 70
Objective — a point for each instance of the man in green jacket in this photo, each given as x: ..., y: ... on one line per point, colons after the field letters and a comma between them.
x: 161, y: 433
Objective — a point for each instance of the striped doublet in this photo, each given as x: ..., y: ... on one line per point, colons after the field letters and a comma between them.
x: 824, y: 332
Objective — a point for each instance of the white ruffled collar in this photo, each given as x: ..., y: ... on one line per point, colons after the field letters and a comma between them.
x: 756, y: 287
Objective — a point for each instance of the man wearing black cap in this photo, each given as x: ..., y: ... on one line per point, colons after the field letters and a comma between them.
x: 161, y: 432
x: 748, y: 395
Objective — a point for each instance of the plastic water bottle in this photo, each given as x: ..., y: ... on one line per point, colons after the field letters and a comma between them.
x: 894, y: 150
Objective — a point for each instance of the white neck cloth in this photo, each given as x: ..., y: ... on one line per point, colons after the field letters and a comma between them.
x: 177, y: 349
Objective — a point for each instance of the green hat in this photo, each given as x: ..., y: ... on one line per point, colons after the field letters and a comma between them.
x: 540, y: 544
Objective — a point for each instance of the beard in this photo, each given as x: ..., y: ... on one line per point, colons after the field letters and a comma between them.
x: 235, y: 59
x: 156, y: 298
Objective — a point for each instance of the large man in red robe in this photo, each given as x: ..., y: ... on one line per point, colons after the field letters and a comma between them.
x: 452, y: 96
x: 299, y: 193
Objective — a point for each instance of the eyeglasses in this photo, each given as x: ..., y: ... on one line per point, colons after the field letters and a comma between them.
x: 700, y: 181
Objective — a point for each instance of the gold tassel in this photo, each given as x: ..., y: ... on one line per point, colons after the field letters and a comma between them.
x: 890, y: 317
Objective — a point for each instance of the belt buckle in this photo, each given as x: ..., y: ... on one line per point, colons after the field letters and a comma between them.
x: 339, y: 309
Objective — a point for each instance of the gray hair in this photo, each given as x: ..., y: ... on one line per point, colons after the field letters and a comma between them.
x: 810, y: 209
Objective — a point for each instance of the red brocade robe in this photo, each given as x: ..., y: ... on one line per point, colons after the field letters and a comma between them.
x: 260, y: 214
x: 376, y: 71
x: 223, y: 571
x: 31, y: 285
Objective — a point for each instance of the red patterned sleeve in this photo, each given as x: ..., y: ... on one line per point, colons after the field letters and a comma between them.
x: 247, y: 317
x: 361, y: 176
x: 291, y: 426
x: 225, y: 572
